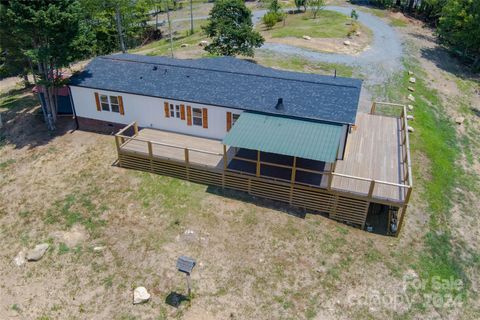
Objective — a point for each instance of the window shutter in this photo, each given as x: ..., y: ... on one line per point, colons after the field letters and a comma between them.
x: 97, y: 100
x: 182, y: 111
x: 165, y: 106
x: 229, y: 121
x: 120, y: 105
x: 189, y: 115
x: 205, y: 117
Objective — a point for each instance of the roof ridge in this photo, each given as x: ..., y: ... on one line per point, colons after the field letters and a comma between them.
x: 231, y: 72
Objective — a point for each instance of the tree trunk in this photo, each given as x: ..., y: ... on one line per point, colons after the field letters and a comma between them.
x: 119, y: 29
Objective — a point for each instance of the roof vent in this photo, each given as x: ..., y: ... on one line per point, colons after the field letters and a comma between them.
x: 155, y: 68
x: 280, y: 105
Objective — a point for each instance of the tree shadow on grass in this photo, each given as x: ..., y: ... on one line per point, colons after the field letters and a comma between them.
x: 23, y: 124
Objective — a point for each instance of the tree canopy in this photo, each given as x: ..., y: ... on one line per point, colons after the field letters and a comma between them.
x: 231, y: 30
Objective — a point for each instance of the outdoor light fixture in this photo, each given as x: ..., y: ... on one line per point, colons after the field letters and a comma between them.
x: 185, y: 265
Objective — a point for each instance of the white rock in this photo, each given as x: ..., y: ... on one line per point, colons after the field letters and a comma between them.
x: 410, y: 73
x: 20, y: 259
x: 307, y: 37
x: 411, y: 89
x: 184, y: 45
x: 203, y: 43
x: 459, y: 120
x: 410, y: 117
x: 412, y: 80
x: 140, y: 295
x: 346, y: 43
x: 358, y: 33
x: 37, y: 253
x: 411, y: 98
x: 99, y: 248
x: 411, y: 129
x: 410, y: 107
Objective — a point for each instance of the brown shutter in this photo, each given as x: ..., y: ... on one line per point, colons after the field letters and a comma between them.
x: 182, y: 111
x: 167, y: 113
x: 229, y: 121
x: 120, y: 105
x: 97, y: 100
x: 205, y: 117
x: 189, y: 115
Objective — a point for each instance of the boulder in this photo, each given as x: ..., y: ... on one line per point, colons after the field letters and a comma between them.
x: 203, y: 43
x: 411, y: 98
x: 358, y: 33
x: 411, y: 129
x: 307, y: 37
x: 37, y: 253
x: 410, y: 117
x: 346, y: 43
x: 140, y: 295
x: 99, y: 248
x: 410, y: 73
x: 410, y: 107
x: 412, y: 80
x: 184, y: 45
x: 20, y: 259
x: 412, y: 89
x: 459, y: 120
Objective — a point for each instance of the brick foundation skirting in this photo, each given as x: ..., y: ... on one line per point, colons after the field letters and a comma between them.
x: 101, y: 126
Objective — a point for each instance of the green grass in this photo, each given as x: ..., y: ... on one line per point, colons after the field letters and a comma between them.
x: 17, y: 98
x: 304, y: 65
x: 63, y: 248
x: 328, y: 24
x: 6, y: 164
x: 394, y: 22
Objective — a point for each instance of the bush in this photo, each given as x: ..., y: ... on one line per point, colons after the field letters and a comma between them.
x: 270, y: 19
x: 353, y: 29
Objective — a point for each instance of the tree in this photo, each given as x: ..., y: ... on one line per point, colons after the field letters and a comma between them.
x: 57, y: 37
x: 231, y: 29
x: 316, y: 6
x: 301, y: 3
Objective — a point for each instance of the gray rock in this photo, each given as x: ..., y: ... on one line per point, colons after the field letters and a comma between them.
x: 20, y: 259
x: 411, y: 129
x: 410, y: 117
x: 203, y: 43
x: 411, y: 89
x: 410, y: 107
x: 37, y: 253
x: 99, y: 248
x: 411, y: 98
x: 459, y: 120
x: 140, y: 295
x: 410, y: 73
x: 412, y: 80
x: 184, y: 45
x: 307, y: 37
x: 346, y: 43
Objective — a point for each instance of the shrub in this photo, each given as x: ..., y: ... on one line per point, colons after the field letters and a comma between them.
x: 270, y: 19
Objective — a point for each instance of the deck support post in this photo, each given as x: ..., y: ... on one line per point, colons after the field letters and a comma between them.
x: 225, y: 164
x: 404, y: 211
x: 374, y: 107
x: 330, y: 181
x: 187, y: 164
x: 118, y: 143
x: 150, y: 154
x: 292, y: 179
x: 372, y: 187
x: 135, y: 127
x: 258, y: 164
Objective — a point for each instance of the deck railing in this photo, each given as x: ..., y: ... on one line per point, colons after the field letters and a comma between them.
x: 369, y: 191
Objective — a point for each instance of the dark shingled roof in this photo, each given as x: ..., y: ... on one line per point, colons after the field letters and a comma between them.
x: 226, y: 82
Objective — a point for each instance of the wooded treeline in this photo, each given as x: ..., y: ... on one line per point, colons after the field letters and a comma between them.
x: 457, y: 22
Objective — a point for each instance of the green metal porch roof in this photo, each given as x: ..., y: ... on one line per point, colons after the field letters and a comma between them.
x: 292, y: 137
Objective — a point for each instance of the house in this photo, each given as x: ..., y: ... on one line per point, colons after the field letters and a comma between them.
x: 292, y: 137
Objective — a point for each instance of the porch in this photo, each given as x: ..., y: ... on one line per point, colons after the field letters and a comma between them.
x: 375, y: 168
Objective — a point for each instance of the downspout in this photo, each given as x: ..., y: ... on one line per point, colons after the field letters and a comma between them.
x: 73, y: 108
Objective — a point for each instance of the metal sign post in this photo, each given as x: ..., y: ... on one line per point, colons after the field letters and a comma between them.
x: 185, y: 265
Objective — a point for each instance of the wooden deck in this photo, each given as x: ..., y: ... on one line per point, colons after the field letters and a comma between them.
x: 374, y: 151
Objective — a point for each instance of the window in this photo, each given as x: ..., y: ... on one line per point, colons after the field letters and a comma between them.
x: 235, y: 118
x: 104, y: 102
x: 110, y: 103
x: 197, y: 117
x: 114, y: 104
x: 175, y: 111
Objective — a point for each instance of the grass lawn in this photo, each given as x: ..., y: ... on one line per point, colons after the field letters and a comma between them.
x: 328, y: 24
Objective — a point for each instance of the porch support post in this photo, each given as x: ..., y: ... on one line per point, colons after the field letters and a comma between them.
x: 225, y: 158
x: 187, y: 163
x: 258, y: 163
x: 404, y: 211
x: 372, y: 187
x: 150, y: 155
x: 135, y: 127
x: 292, y: 179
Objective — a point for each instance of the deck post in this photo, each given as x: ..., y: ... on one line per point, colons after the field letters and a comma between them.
x: 292, y: 179
x: 404, y: 211
x: 330, y: 180
x: 150, y: 154
x: 372, y: 187
x: 225, y: 159
x: 187, y: 163
x: 258, y: 163
x: 117, y: 142
x: 135, y: 127
x: 374, y: 107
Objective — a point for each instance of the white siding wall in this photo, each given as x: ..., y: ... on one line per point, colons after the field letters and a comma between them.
x: 149, y: 112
